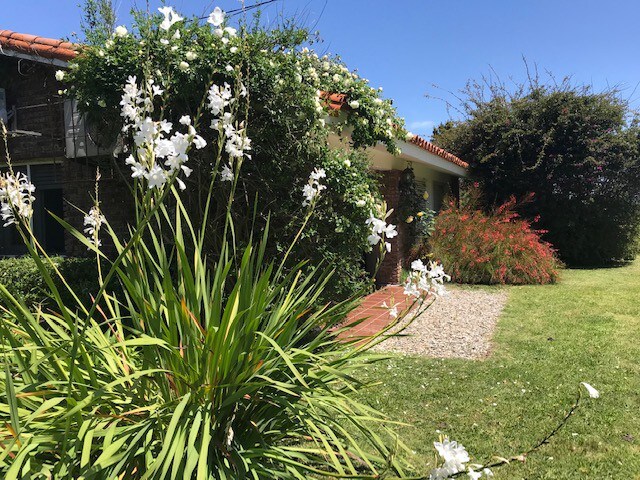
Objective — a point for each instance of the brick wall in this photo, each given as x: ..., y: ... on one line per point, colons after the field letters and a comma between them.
x: 391, y: 268
x: 33, y: 89
x: 115, y: 201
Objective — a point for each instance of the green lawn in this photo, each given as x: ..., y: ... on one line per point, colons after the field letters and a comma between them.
x: 549, y: 339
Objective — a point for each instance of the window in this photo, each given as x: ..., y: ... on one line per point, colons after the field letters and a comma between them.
x: 49, y: 186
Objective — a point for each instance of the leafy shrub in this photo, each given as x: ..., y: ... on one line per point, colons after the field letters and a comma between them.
x: 414, y: 210
x: 577, y: 150
x: 24, y: 280
x: 286, y: 124
x: 495, y: 247
x: 196, y: 367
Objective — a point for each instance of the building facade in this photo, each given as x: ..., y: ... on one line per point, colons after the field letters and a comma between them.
x: 49, y: 142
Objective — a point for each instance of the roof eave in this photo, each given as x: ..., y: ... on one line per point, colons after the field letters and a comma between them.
x: 417, y: 154
x: 33, y: 57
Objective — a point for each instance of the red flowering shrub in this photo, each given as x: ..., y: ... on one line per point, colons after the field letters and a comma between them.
x: 489, y: 248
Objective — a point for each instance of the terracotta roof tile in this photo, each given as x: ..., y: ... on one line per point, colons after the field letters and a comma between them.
x: 61, y: 50
x: 39, y: 46
x: 440, y: 152
x: 335, y: 101
x: 338, y: 101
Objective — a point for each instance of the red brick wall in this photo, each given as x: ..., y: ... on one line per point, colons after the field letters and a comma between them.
x: 116, y: 201
x: 33, y: 85
x: 391, y: 268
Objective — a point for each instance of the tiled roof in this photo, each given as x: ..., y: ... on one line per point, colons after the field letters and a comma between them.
x: 61, y: 50
x: 335, y: 101
x: 39, y: 46
x: 338, y: 101
x: 440, y: 152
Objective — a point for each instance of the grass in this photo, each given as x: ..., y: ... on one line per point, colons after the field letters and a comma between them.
x: 549, y: 339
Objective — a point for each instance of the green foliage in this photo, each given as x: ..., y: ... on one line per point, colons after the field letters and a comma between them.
x: 287, y: 121
x: 548, y: 338
x: 213, y: 374
x: 22, y: 277
x: 194, y: 359
x: 577, y: 150
x: 415, y: 212
x: 98, y: 21
x: 489, y: 248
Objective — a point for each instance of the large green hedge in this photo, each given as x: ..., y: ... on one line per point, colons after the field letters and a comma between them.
x: 22, y: 278
x: 578, y: 151
x: 288, y: 124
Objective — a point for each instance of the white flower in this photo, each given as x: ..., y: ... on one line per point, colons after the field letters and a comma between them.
x: 380, y: 230
x: 216, y: 18
x: 121, y: 31
x: 164, y: 41
x: 170, y: 17
x: 233, y: 49
x: 60, y: 74
x: 190, y: 56
x: 313, y: 187
x: 199, y: 142
x: 354, y: 104
x: 16, y: 198
x: 453, y: 454
x: 347, y: 163
x: 230, y: 31
x: 487, y: 472
x: 176, y: 36
x: 361, y: 203
x: 229, y: 68
x: 424, y: 281
x: 317, y: 174
x: 156, y: 177
x: 593, y: 393
x: 185, y: 120
x: 418, y: 266
x: 184, y: 66
x: 226, y: 174
x: 473, y: 475
x: 92, y: 222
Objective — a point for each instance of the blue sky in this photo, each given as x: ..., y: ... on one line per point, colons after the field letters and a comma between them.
x: 417, y: 47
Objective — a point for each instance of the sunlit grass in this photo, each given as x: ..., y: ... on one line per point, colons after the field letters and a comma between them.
x: 549, y: 339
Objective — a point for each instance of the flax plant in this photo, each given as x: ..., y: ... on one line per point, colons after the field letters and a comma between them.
x: 207, y: 368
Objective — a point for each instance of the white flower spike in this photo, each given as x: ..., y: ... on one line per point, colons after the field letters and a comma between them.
x: 16, y: 198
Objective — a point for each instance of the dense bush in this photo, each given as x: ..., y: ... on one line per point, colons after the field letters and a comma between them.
x: 23, y: 279
x: 286, y: 122
x: 489, y: 248
x: 577, y: 150
x: 196, y: 367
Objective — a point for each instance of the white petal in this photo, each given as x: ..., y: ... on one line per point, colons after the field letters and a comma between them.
x: 593, y: 393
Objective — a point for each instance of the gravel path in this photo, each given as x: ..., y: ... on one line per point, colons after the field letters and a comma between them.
x: 458, y: 325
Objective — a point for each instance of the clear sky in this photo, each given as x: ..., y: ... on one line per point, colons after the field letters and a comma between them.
x: 417, y: 47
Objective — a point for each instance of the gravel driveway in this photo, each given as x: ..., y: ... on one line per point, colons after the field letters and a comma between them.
x: 457, y: 325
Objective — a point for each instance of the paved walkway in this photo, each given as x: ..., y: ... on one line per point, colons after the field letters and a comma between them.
x: 375, y: 316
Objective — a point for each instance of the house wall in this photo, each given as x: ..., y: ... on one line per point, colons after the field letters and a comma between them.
x: 32, y: 88
x: 438, y: 176
x: 116, y: 201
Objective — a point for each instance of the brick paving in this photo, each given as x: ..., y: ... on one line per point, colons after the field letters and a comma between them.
x: 375, y: 316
